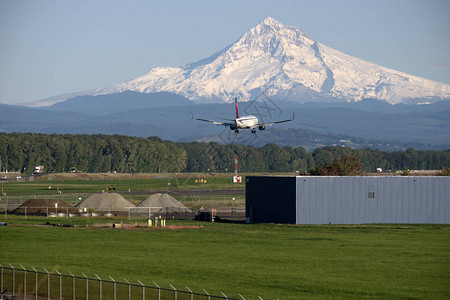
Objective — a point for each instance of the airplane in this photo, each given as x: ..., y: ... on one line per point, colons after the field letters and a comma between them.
x: 246, y: 122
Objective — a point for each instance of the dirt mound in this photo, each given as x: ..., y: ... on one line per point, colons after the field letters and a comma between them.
x: 44, y: 206
x: 163, y: 201
x: 105, y: 202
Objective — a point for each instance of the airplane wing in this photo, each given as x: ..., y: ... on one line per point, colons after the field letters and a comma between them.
x: 273, y: 123
x: 215, y: 122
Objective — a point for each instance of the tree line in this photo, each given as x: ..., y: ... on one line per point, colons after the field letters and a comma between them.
x: 125, y: 154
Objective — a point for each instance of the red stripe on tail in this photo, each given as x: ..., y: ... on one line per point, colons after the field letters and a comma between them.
x: 237, y: 110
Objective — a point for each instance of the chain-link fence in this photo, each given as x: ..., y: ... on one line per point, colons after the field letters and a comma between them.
x: 175, y: 213
x: 211, y: 209
x: 20, y: 283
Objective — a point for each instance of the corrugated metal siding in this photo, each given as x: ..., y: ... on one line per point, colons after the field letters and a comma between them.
x: 345, y: 200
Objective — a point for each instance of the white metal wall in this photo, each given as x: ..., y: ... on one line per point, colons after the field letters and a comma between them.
x: 345, y: 200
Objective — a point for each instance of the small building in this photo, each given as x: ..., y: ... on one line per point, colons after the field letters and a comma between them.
x: 348, y: 199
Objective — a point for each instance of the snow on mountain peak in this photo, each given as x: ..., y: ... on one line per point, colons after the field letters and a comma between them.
x: 269, y: 21
x: 270, y: 24
x: 283, y: 62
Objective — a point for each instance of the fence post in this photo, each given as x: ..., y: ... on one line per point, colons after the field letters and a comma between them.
x: 260, y: 298
x: 60, y: 285
x: 159, y: 291
x: 100, y: 286
x: 24, y: 283
x: 73, y: 285
x: 207, y: 294
x: 14, y: 279
x: 143, y: 290
x: 242, y: 297
x: 35, y: 281
x: 48, y: 283
x: 87, y: 286
x: 129, y: 289
x: 2, y: 278
x: 226, y: 298
x: 114, y: 287
x: 192, y: 294
x: 174, y: 291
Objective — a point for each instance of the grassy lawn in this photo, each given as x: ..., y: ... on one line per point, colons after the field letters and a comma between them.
x: 49, y: 185
x: 133, y: 188
x: 273, y: 261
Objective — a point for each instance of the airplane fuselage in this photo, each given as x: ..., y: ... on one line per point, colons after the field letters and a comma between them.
x: 246, y: 122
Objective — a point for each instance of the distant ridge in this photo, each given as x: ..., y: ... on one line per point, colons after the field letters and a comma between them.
x: 120, y: 102
x: 367, y: 123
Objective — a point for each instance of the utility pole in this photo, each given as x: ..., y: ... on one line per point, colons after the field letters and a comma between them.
x: 236, y: 177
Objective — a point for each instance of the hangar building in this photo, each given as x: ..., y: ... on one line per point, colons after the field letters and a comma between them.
x: 348, y: 199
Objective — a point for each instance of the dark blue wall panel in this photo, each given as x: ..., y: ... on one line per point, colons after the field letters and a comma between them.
x: 270, y: 199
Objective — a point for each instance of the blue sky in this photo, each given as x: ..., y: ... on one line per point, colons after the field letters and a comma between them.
x: 54, y: 47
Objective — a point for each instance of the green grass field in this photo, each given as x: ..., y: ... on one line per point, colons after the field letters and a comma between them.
x: 272, y: 261
x: 49, y: 185
x: 74, y: 188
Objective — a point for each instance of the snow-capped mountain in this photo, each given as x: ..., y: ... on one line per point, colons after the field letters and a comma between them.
x: 285, y: 63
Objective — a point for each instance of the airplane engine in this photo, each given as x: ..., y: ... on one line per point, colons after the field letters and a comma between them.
x: 262, y: 127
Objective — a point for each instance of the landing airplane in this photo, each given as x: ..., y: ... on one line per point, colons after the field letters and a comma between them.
x: 246, y: 122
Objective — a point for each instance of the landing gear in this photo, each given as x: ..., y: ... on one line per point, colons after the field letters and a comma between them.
x: 254, y: 130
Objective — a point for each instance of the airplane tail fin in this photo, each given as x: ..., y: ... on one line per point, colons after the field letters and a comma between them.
x: 237, y: 110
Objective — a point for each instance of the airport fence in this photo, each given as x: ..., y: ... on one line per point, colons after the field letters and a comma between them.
x: 176, y: 213
x: 209, y: 211
x: 139, y: 213
x: 21, y: 283
x: 10, y: 203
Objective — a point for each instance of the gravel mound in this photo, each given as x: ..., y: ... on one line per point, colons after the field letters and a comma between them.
x: 39, y: 207
x: 164, y: 201
x: 106, y: 202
